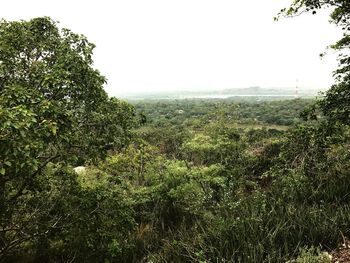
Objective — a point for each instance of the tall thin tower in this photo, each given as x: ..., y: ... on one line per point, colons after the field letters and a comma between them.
x: 296, y: 93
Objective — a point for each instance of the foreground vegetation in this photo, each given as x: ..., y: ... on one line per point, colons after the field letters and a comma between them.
x: 163, y: 181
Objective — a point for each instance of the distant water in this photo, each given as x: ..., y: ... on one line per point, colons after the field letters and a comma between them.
x: 225, y: 96
x: 219, y: 96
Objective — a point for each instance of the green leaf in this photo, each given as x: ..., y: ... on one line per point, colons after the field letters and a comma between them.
x: 54, y: 129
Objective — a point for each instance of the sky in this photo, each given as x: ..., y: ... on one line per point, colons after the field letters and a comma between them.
x: 177, y: 45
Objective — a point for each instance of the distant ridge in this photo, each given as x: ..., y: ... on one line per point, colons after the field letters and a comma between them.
x: 226, y: 93
x: 253, y: 91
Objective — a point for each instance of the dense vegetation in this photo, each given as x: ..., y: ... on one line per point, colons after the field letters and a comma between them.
x: 164, y: 181
x: 190, y: 111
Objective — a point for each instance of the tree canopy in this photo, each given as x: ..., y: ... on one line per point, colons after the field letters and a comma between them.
x: 335, y: 105
x: 53, y: 109
x: 199, y: 181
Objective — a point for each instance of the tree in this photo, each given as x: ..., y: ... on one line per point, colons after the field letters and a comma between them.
x: 336, y: 104
x: 53, y: 109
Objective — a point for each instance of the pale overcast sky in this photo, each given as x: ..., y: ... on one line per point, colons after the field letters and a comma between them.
x: 163, y: 45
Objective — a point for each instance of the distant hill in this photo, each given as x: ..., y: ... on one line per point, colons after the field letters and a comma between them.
x: 227, y: 93
x: 270, y: 91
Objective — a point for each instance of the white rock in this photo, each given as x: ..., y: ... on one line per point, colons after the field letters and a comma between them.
x: 79, y: 169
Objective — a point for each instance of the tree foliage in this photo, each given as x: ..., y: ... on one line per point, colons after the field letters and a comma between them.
x: 53, y: 109
x: 335, y: 104
x: 201, y: 181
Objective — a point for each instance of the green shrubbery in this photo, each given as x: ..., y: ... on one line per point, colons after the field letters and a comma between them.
x: 212, y: 184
